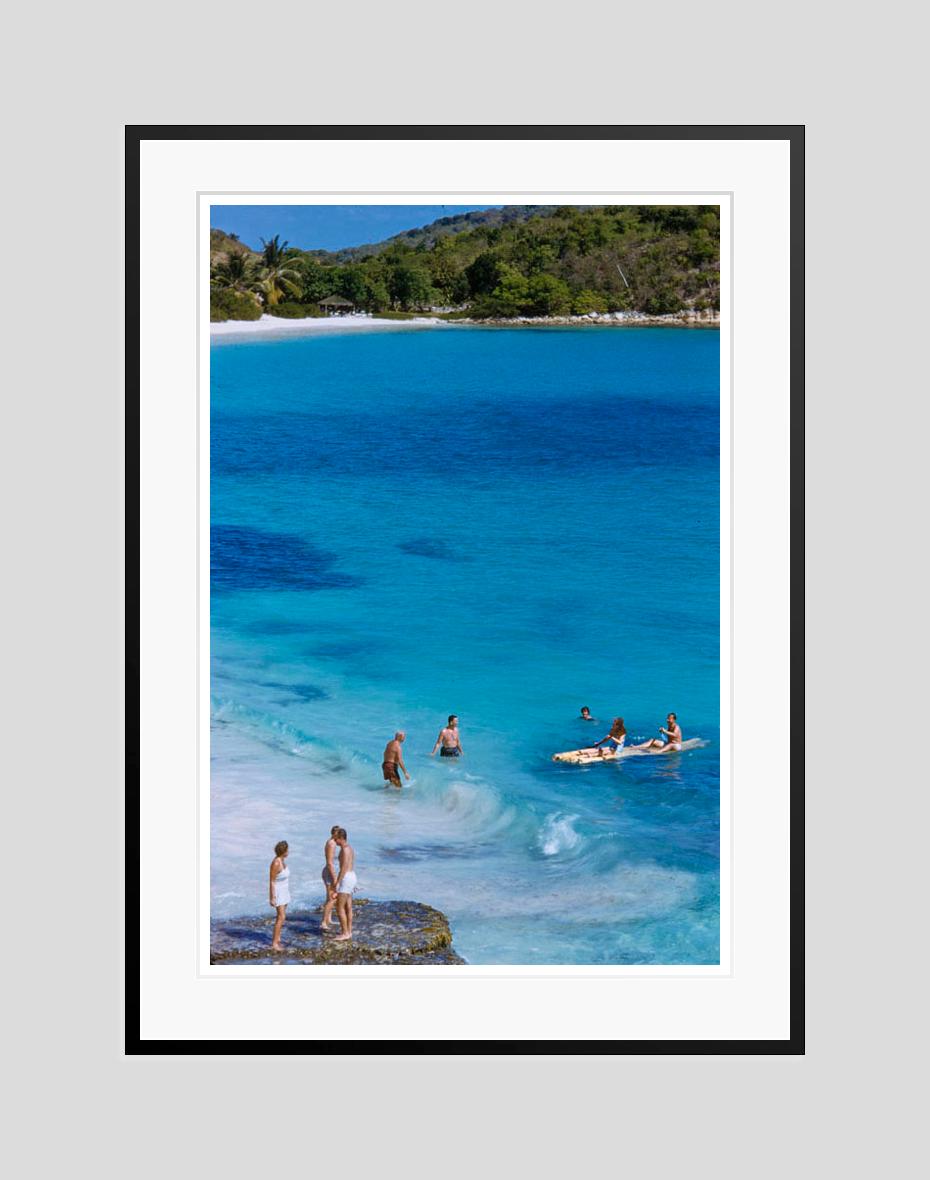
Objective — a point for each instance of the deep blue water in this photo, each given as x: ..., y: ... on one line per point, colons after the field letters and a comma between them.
x: 505, y: 524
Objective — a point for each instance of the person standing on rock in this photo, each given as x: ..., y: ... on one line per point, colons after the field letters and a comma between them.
x: 392, y: 759
x: 279, y: 893
x: 346, y: 885
x: 329, y: 879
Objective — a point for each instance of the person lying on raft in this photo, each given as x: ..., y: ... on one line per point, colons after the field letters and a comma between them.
x: 616, y: 737
x: 671, y: 741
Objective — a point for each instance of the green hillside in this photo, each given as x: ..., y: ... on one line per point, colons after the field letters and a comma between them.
x: 517, y: 261
x: 223, y: 244
x: 443, y: 227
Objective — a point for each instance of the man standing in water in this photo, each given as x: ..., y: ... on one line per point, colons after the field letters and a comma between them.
x: 392, y: 759
x: 449, y: 740
x: 345, y: 886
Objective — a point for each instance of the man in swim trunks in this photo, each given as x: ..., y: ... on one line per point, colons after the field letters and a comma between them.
x: 345, y: 886
x: 672, y: 740
x: 329, y: 879
x: 449, y: 740
x: 391, y: 759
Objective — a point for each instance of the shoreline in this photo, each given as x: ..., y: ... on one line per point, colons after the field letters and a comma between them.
x: 312, y: 325
x: 270, y: 324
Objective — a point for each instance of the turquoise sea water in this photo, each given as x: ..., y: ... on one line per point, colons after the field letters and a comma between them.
x: 502, y: 523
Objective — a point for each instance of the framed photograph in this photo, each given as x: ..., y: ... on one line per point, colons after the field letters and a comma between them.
x: 468, y: 464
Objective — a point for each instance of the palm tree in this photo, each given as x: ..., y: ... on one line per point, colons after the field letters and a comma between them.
x: 273, y: 251
x: 279, y: 275
x: 235, y: 271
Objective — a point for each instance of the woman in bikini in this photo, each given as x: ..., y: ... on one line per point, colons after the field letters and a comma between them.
x: 616, y: 737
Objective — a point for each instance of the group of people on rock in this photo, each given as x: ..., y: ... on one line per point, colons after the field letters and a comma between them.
x: 340, y: 883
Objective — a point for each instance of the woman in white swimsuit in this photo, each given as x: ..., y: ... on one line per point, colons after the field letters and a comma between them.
x: 279, y: 893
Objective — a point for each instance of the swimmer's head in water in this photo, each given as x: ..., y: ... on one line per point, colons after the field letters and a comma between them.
x: 585, y: 711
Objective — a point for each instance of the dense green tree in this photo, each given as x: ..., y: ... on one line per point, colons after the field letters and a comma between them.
x: 228, y: 304
x: 352, y: 284
x: 703, y: 247
x: 587, y: 301
x: 237, y: 272
x: 511, y: 295
x: 445, y: 269
x: 316, y: 281
x: 548, y: 295
x: 409, y: 286
x: 377, y: 295
x: 483, y: 274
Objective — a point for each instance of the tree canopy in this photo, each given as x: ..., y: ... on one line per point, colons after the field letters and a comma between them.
x: 526, y: 260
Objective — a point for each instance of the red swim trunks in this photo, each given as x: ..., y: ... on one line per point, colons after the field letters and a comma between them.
x: 390, y: 772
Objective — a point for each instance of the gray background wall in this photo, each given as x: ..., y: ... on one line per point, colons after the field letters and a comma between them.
x: 76, y: 75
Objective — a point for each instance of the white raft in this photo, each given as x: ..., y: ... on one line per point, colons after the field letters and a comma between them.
x: 588, y: 755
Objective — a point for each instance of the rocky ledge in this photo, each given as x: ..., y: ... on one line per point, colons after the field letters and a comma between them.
x: 403, y: 932
x: 688, y: 318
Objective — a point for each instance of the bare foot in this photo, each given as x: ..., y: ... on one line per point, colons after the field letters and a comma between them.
x: 276, y: 948
x: 342, y: 938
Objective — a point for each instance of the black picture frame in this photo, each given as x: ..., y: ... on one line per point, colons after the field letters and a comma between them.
x: 134, y: 1044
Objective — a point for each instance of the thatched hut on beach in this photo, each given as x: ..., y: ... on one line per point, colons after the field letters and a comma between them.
x: 335, y: 305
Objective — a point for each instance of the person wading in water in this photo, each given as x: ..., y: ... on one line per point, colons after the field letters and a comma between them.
x: 392, y: 758
x: 449, y: 740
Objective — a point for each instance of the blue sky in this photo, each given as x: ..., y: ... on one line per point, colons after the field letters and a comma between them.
x: 327, y: 227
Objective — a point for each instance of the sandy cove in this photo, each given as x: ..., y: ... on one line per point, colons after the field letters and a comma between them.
x: 346, y: 323
x: 322, y: 324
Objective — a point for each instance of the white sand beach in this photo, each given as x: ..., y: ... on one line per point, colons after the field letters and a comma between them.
x: 331, y: 323
x: 275, y: 325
